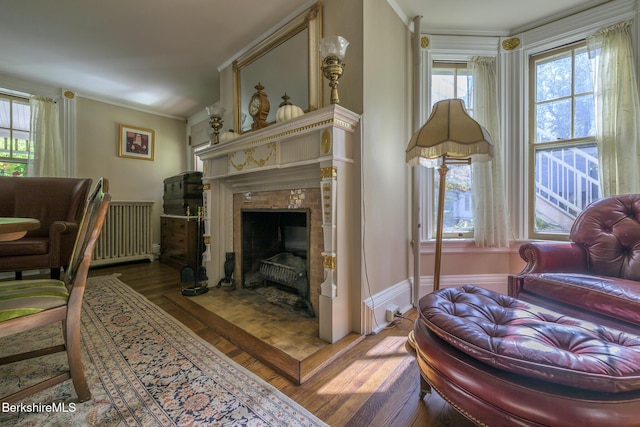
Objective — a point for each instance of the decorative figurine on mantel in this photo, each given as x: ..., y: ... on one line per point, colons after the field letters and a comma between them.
x: 287, y: 110
x: 259, y: 108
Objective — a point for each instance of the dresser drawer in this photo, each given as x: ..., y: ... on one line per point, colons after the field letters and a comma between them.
x: 180, y: 242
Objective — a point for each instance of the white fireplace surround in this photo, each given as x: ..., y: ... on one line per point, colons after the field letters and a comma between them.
x: 315, y: 150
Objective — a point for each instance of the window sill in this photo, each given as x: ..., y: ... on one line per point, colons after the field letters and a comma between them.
x: 466, y: 246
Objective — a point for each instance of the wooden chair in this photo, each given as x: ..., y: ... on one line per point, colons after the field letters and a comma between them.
x: 29, y: 304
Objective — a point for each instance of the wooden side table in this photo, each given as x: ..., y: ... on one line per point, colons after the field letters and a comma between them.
x: 16, y: 228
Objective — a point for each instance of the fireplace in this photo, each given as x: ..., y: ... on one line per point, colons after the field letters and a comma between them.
x: 275, y: 252
x: 304, y: 166
x: 268, y: 223
x: 266, y: 233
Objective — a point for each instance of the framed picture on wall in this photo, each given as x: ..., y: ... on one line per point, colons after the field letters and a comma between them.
x: 136, y: 143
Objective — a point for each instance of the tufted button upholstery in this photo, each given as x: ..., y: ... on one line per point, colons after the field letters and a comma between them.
x: 609, y: 231
x: 525, y: 339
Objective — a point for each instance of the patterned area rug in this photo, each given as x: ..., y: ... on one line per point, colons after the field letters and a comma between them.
x: 145, y: 369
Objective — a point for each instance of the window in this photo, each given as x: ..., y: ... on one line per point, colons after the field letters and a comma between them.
x: 564, y: 174
x: 15, y: 145
x: 451, y: 80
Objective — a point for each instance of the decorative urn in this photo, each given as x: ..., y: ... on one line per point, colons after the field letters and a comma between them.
x: 287, y: 110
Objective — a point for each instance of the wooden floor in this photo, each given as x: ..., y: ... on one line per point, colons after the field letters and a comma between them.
x: 276, y: 323
x: 263, y: 322
x: 373, y: 383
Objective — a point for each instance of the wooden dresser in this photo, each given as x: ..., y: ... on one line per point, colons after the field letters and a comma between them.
x: 179, y: 241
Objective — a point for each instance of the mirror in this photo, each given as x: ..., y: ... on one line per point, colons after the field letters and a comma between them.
x: 285, y: 62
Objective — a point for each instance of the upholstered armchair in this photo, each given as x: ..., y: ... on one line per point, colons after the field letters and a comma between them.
x: 57, y: 203
x: 604, y: 240
x: 597, y: 271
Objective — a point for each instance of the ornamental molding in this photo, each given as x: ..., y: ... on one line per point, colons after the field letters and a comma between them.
x: 511, y: 44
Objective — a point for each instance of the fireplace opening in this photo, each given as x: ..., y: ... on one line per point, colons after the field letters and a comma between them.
x: 275, y: 248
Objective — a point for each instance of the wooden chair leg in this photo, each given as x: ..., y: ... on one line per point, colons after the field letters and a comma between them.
x: 74, y: 355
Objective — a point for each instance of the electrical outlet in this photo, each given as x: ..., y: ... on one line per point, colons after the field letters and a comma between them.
x: 390, y: 314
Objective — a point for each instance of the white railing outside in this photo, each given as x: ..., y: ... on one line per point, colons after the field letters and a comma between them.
x: 566, y: 181
x: 16, y: 149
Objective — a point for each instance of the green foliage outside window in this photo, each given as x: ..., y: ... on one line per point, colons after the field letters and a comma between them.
x: 13, y: 169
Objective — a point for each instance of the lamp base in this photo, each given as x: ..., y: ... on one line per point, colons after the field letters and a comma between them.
x: 335, y: 99
x: 216, y: 124
x: 332, y: 70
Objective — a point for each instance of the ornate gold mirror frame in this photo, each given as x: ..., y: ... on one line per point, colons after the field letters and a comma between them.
x: 277, y: 62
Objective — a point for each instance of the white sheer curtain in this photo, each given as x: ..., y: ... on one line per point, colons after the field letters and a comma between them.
x: 46, y: 157
x: 491, y: 222
x: 617, y: 109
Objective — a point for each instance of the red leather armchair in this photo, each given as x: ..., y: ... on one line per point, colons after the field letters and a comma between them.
x: 596, y: 275
x: 546, y: 358
x: 57, y: 203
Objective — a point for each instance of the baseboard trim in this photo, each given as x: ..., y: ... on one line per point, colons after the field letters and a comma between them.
x: 493, y: 282
x: 374, y: 308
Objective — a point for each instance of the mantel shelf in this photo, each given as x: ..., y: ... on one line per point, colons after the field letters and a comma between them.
x: 331, y: 116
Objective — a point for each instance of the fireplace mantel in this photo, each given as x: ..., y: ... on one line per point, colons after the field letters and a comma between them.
x: 307, y: 139
x: 315, y: 150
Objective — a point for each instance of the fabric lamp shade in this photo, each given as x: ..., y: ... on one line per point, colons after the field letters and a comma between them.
x: 450, y: 132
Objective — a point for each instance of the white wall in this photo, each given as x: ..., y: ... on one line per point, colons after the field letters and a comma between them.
x: 386, y: 127
x: 129, y: 179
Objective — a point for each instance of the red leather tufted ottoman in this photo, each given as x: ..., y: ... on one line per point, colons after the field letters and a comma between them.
x: 501, y: 361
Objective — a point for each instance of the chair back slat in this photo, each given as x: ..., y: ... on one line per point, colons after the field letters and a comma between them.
x: 89, y: 230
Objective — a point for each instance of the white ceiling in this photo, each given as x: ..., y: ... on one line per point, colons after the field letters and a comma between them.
x: 163, y: 55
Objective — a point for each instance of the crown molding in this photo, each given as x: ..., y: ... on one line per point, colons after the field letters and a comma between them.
x: 16, y: 85
x: 579, y: 25
x: 127, y: 106
x: 457, y: 46
x: 408, y: 21
x: 587, y: 7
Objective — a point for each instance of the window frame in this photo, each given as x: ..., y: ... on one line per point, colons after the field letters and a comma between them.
x: 433, y: 182
x: 443, y: 49
x: 533, y: 146
x: 11, y: 129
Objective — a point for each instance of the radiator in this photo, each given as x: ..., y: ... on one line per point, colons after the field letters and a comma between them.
x: 126, y: 234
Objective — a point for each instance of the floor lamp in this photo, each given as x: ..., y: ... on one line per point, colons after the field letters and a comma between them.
x: 453, y: 137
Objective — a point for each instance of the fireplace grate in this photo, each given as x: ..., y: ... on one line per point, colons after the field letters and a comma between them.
x: 289, y: 270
